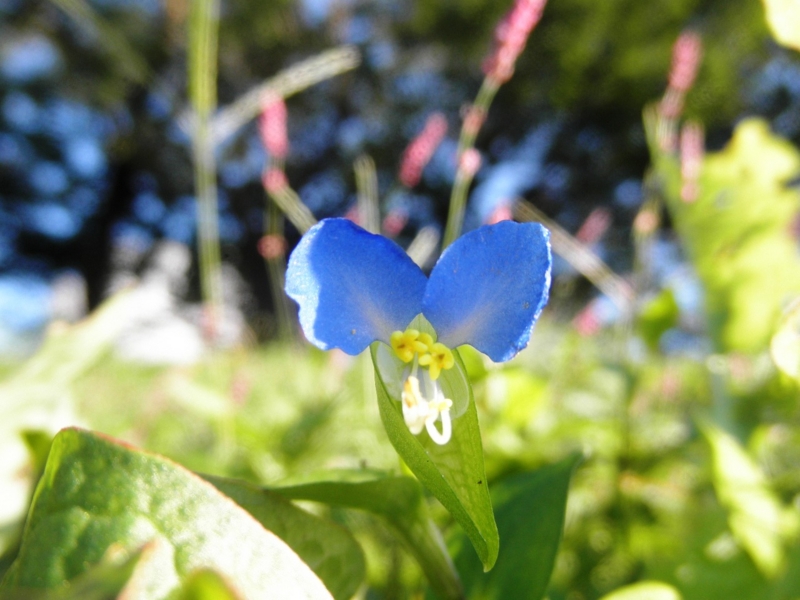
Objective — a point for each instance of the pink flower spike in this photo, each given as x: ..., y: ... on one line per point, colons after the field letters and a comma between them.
x: 503, y: 212
x: 272, y: 246
x: 353, y: 214
x: 469, y: 162
x: 510, y: 38
x: 587, y: 322
x: 692, y: 151
x: 419, y: 152
x: 685, y: 60
x: 394, y: 223
x: 274, y: 181
x: 595, y: 225
x: 272, y: 126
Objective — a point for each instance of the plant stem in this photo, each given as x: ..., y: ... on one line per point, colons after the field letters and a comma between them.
x: 203, y: 25
x: 458, y: 197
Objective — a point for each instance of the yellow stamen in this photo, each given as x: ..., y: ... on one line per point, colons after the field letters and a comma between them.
x: 427, y: 339
x: 434, y: 355
x: 405, y: 344
x: 438, y: 358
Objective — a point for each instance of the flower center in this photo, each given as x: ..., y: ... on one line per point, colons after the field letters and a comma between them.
x: 422, y: 397
x: 434, y: 355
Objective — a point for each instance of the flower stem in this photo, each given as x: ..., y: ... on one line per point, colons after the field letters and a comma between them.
x: 367, y: 184
x: 202, y: 91
x: 473, y: 121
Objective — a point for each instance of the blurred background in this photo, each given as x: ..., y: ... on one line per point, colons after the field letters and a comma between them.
x: 95, y: 161
x: 650, y: 378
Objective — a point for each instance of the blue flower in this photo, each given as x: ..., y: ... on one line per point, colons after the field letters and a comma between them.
x: 487, y: 290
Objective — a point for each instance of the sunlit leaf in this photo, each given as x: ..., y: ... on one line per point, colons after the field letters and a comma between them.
x: 38, y: 397
x: 327, y: 548
x: 785, y: 345
x: 644, y: 590
x: 737, y: 233
x: 530, y: 510
x: 104, y: 581
x: 206, y: 584
x: 783, y: 18
x: 400, y: 502
x: 757, y: 519
x: 453, y: 472
x: 97, y: 494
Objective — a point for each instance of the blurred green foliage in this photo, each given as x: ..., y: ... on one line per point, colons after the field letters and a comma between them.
x: 738, y: 232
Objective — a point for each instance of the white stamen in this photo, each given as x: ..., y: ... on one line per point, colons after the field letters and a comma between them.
x: 419, y: 413
x: 415, y: 407
x: 447, y: 427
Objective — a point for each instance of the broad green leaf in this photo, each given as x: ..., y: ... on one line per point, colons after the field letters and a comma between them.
x: 98, y: 495
x: 331, y: 552
x: 38, y: 444
x: 399, y: 500
x: 757, y: 519
x: 105, y: 581
x: 530, y: 510
x: 785, y: 345
x: 206, y: 584
x: 737, y: 233
x: 38, y: 396
x: 644, y: 590
x: 453, y: 472
x: 783, y: 18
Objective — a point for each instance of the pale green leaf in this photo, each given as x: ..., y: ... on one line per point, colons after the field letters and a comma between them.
x: 737, y: 233
x: 785, y: 345
x: 756, y: 517
x: 330, y: 550
x: 98, y: 496
x: 453, y: 472
x: 644, y: 590
x: 783, y: 18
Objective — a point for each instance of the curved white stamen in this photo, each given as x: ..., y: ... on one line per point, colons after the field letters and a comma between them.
x: 447, y: 427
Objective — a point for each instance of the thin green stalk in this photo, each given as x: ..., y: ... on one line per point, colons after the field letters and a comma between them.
x: 292, y: 206
x: 276, y: 267
x: 203, y: 25
x: 367, y: 184
x: 125, y: 58
x: 458, y: 197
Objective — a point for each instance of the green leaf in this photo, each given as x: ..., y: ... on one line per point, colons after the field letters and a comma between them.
x: 206, y: 584
x: 756, y: 517
x: 783, y: 18
x: 530, y: 510
x: 105, y: 581
x: 657, y: 316
x: 644, y: 590
x: 38, y: 444
x: 330, y: 550
x: 453, y: 472
x: 737, y: 233
x: 399, y: 500
x: 785, y: 344
x: 99, y: 496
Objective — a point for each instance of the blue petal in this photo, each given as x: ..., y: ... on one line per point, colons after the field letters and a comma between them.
x: 489, y: 287
x: 353, y: 287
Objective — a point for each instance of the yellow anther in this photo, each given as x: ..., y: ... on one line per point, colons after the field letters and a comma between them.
x: 427, y: 339
x: 407, y: 343
x: 438, y: 358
